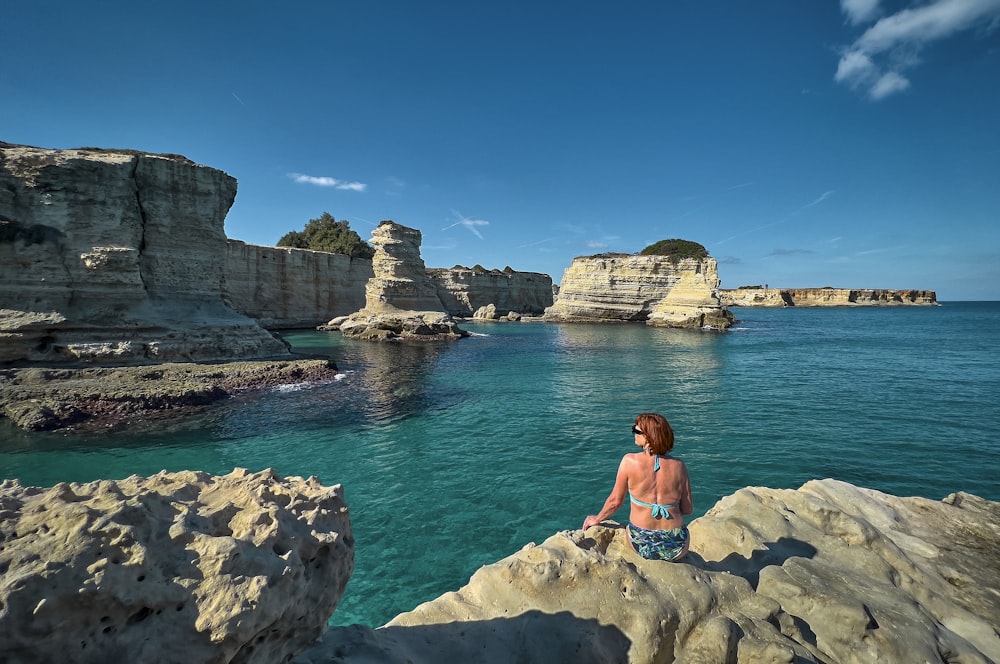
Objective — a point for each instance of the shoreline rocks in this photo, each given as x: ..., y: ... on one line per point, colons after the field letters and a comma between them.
x: 48, y: 398
x: 177, y: 567
x: 827, y: 573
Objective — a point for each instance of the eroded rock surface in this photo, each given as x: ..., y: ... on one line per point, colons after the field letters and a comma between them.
x: 116, y: 256
x: 177, y: 567
x: 827, y: 573
x: 401, y: 300
x: 657, y: 290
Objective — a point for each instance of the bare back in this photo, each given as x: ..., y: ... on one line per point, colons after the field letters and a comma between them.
x: 669, y: 485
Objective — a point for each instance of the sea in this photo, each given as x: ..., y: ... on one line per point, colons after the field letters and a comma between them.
x: 454, y: 455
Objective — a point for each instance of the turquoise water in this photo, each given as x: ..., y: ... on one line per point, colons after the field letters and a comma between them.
x: 455, y: 455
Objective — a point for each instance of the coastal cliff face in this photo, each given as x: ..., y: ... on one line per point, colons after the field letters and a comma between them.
x: 283, y: 287
x: 116, y: 256
x: 401, y: 300
x: 828, y: 573
x: 654, y: 289
x: 177, y: 567
x: 464, y: 291
x: 825, y: 297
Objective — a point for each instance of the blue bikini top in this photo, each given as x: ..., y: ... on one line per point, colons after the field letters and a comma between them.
x: 659, y: 511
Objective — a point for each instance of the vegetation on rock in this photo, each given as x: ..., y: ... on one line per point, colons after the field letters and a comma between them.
x: 328, y: 234
x: 676, y: 249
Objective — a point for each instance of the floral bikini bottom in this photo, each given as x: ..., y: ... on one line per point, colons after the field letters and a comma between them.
x: 659, y: 544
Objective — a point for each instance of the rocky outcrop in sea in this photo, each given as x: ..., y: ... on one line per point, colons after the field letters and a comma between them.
x: 658, y: 290
x: 756, y: 296
x: 401, y: 300
x: 464, y: 291
x: 177, y: 567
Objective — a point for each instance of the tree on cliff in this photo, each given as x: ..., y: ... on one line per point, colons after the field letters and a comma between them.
x: 328, y: 234
x: 676, y: 249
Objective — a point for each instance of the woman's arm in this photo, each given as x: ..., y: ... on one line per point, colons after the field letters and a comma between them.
x: 687, y: 504
x: 614, y: 501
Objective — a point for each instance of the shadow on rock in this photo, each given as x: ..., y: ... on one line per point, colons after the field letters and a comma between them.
x: 530, y: 637
x: 775, y: 553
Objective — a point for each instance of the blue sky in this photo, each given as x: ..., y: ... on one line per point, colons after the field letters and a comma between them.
x: 805, y: 143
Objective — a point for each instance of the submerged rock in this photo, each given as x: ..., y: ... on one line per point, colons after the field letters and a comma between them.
x: 828, y: 573
x: 177, y: 567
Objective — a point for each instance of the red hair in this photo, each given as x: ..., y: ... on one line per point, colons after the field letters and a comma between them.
x: 659, y: 435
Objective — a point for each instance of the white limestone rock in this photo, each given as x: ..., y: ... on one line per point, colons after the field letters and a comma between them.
x: 401, y: 301
x: 112, y: 256
x: 658, y: 290
x: 463, y: 291
x: 828, y: 573
x: 176, y: 567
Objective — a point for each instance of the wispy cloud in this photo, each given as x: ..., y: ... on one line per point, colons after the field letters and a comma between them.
x: 472, y: 224
x: 859, y: 11
x: 822, y: 197
x: 875, y: 63
x: 790, y: 252
x: 324, y: 181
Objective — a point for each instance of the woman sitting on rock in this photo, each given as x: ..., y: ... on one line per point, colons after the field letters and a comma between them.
x: 660, y: 491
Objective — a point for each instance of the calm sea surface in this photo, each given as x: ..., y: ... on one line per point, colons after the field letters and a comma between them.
x: 455, y: 455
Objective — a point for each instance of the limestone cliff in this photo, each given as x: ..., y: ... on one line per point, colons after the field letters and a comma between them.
x: 116, y: 257
x: 658, y: 290
x: 824, y: 297
x: 400, y: 299
x: 463, y: 291
x: 287, y: 288
x: 829, y: 573
x: 177, y: 567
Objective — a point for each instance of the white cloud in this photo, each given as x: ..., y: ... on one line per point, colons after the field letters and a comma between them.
x: 888, y: 84
x: 898, y: 39
x: 324, y: 181
x: 594, y: 244
x: 471, y: 224
x: 859, y: 11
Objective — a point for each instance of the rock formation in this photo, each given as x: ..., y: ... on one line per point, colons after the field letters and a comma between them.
x: 115, y: 256
x: 658, y: 290
x: 755, y: 296
x: 401, y: 301
x: 464, y: 291
x: 828, y: 573
x: 178, y: 567
x: 285, y: 288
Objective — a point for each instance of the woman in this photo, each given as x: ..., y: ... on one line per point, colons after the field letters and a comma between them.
x: 660, y: 491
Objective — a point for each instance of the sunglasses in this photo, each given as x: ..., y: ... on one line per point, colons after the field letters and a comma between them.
x: 636, y: 431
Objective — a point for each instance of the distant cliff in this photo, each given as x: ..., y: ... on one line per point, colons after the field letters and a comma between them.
x: 288, y: 288
x: 657, y: 290
x: 116, y: 256
x: 464, y: 290
x: 756, y: 296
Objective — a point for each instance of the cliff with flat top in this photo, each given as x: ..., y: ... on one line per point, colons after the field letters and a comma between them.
x: 755, y: 296
x: 658, y: 290
x: 116, y: 256
x: 463, y: 291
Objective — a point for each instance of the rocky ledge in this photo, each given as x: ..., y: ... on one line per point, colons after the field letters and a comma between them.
x: 178, y: 567
x: 828, y: 573
x: 40, y: 399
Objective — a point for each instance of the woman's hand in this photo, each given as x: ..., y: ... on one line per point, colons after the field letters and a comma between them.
x: 591, y: 520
